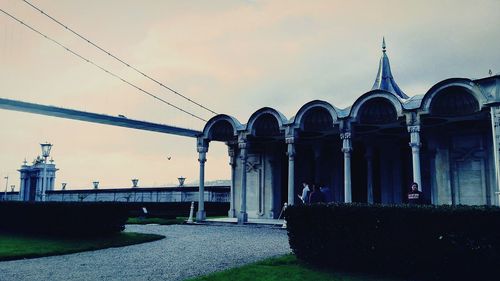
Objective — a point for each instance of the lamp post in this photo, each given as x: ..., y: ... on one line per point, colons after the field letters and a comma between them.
x: 181, y: 181
x: 46, y: 147
x: 6, y: 184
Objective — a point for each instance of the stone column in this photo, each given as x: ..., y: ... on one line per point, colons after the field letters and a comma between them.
x: 369, y: 174
x: 415, y: 153
x: 232, y: 163
x: 495, y: 130
x: 346, y: 149
x: 243, y: 216
x: 290, y: 141
x: 202, y: 158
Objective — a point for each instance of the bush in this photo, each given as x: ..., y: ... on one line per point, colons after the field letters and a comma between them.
x: 64, y: 219
x: 172, y: 210
x: 425, y: 242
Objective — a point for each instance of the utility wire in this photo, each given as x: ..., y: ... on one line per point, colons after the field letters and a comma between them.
x: 100, y: 67
x: 118, y: 59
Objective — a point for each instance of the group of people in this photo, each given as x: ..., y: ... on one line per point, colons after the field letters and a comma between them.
x: 313, y: 193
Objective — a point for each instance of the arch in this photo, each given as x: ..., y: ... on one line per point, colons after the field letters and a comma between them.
x: 378, y: 103
x: 316, y: 114
x: 453, y: 96
x: 266, y: 121
x: 221, y: 127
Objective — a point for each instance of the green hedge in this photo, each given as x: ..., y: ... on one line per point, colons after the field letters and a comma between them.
x: 416, y: 242
x: 175, y: 209
x: 63, y: 219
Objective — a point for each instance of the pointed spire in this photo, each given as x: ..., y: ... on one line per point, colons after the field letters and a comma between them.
x: 385, y: 80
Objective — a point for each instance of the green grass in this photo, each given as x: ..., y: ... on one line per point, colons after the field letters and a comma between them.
x: 162, y: 221
x: 285, y: 268
x: 23, y: 246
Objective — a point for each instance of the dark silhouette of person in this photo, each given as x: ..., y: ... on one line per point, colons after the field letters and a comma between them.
x: 415, y: 196
x: 316, y: 195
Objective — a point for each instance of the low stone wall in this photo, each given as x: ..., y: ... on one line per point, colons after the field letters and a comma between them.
x: 142, y: 194
x: 11, y: 196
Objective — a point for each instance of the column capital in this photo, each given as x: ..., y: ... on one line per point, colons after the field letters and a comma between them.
x: 231, y: 151
x: 412, y: 118
x: 201, y: 145
x: 243, y: 144
x: 202, y: 157
x: 345, y: 135
x: 414, y: 129
x: 414, y: 136
x: 202, y: 149
x: 346, y: 141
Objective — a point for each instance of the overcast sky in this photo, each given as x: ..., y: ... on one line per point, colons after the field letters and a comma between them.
x: 232, y: 56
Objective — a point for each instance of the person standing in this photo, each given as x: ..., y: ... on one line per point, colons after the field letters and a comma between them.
x: 305, y: 193
x: 415, y: 196
x: 316, y: 195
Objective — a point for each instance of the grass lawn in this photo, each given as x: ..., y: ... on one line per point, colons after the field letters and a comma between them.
x: 285, y: 268
x: 14, y: 246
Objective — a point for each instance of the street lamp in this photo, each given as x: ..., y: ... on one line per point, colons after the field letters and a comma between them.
x: 46, y: 147
x: 6, y: 184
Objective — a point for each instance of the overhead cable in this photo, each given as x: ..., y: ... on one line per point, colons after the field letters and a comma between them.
x: 100, y: 67
x: 118, y: 59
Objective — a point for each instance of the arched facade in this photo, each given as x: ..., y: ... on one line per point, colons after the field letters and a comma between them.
x: 446, y: 140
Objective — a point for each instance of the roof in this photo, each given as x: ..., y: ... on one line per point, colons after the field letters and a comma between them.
x: 384, y: 80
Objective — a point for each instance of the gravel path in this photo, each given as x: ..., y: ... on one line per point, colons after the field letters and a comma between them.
x: 186, y: 251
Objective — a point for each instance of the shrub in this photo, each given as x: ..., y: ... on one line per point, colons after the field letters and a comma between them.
x: 65, y: 219
x: 425, y: 242
x: 175, y: 209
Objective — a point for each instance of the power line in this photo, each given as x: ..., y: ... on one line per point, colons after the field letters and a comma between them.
x: 100, y: 67
x: 118, y: 59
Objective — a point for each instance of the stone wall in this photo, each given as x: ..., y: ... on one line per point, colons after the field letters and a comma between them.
x: 162, y: 194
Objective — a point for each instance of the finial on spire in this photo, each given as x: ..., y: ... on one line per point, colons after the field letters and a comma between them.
x: 383, y: 44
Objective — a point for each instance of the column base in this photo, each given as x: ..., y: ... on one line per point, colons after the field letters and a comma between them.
x: 242, y: 218
x: 201, y: 216
x: 231, y: 213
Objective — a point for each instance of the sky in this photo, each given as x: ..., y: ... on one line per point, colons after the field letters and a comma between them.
x: 232, y: 56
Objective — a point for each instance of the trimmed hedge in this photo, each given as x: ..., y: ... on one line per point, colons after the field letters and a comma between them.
x: 172, y: 210
x: 416, y: 242
x: 89, y: 218
x: 65, y: 219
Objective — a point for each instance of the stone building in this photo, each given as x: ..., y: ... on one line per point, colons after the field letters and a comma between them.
x: 31, y: 182
x: 446, y: 140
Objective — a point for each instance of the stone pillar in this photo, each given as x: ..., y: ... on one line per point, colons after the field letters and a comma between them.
x: 243, y: 216
x: 290, y: 141
x: 346, y: 149
x: 232, y: 163
x: 495, y: 130
x: 369, y: 174
x: 415, y: 153
x: 202, y: 158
